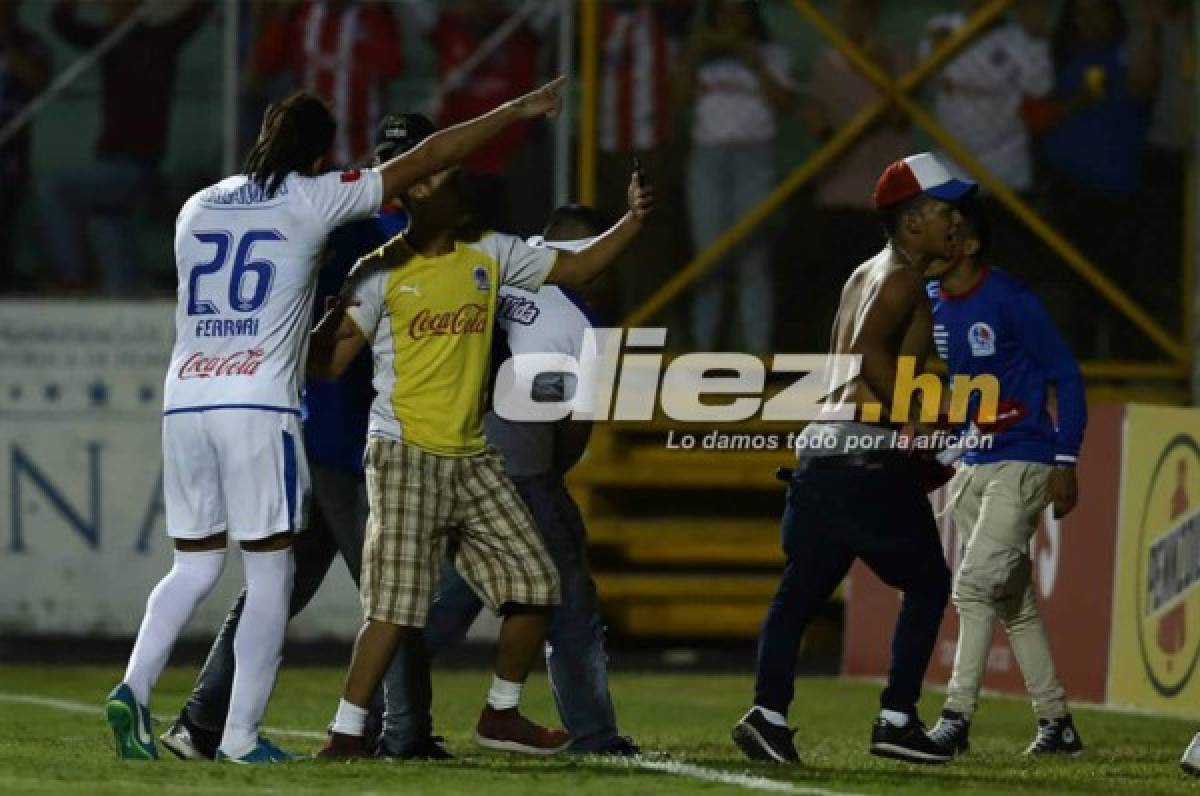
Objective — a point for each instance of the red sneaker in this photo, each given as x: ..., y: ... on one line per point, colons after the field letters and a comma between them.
x: 509, y: 731
x: 339, y: 746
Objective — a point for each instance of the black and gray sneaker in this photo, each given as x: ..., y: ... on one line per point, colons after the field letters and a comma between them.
x: 1056, y: 737
x: 909, y: 743
x: 951, y: 731
x: 760, y: 739
x: 429, y: 748
x: 1190, y: 762
x: 188, y: 741
x: 617, y: 746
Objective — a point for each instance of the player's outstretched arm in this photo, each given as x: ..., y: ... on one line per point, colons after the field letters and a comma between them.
x: 334, y: 343
x: 576, y: 269
x: 453, y: 145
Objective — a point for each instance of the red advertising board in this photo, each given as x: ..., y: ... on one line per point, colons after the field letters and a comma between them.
x: 1073, y: 568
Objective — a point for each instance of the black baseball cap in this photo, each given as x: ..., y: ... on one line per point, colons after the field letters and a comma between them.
x: 400, y: 132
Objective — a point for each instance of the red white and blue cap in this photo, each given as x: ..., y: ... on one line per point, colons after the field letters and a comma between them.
x: 917, y: 174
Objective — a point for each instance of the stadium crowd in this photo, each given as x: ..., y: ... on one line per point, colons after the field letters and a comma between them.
x: 1079, y: 107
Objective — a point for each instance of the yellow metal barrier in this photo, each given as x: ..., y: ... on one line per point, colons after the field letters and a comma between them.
x: 897, y: 92
x: 589, y: 105
x: 1061, y: 246
x: 832, y: 148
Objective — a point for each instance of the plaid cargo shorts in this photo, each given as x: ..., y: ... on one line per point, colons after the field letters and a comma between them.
x: 425, y: 507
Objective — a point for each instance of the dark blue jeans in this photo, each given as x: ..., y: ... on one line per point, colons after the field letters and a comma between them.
x: 835, y: 514
x: 575, y: 656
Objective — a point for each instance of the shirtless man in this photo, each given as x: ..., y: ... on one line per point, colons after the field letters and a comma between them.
x: 866, y: 500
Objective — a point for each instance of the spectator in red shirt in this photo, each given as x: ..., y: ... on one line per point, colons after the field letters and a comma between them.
x: 136, y: 80
x: 24, y: 69
x: 500, y: 180
x: 343, y: 51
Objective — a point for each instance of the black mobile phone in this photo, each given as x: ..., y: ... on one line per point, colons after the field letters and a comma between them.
x: 637, y: 171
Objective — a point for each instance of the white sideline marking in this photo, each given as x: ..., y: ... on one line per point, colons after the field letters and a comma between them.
x: 749, y: 781
x: 673, y: 767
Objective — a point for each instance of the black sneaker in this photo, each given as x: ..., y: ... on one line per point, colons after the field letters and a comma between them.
x: 428, y: 749
x: 908, y: 743
x: 188, y: 741
x: 760, y: 739
x: 1056, y: 737
x: 618, y: 746
x: 1190, y: 762
x: 951, y: 732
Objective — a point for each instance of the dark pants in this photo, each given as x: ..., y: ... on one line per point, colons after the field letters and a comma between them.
x: 834, y: 515
x: 575, y: 656
x: 336, y: 526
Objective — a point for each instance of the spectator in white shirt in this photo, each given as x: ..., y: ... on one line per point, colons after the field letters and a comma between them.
x: 736, y: 81
x: 979, y: 93
x: 979, y: 97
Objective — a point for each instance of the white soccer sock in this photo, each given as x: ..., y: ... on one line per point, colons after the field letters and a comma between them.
x: 894, y: 717
x: 504, y: 695
x: 168, y: 609
x: 350, y: 719
x: 258, y: 646
x: 773, y: 716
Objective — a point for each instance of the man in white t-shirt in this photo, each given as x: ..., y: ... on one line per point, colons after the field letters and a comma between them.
x: 247, y: 250
x: 978, y: 94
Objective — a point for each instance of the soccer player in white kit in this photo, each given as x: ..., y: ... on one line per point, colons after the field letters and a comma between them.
x: 247, y: 250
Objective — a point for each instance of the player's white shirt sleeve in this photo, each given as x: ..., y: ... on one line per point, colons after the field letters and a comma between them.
x: 520, y: 264
x: 341, y: 196
x: 366, y: 298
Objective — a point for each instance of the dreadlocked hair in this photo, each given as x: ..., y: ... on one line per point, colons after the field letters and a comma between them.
x: 295, y: 133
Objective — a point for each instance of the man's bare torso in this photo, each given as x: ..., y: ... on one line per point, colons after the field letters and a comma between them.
x: 884, y: 277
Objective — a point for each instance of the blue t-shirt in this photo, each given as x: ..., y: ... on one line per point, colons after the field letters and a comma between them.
x: 336, y: 412
x: 999, y: 327
x: 1099, y: 147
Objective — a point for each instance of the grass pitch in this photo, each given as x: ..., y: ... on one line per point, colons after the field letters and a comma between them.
x: 53, y: 739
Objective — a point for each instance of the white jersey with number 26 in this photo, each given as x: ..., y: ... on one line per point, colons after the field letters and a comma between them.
x: 247, y: 265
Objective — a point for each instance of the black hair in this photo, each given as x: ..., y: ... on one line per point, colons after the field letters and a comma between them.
x: 591, y: 219
x: 975, y: 219
x: 295, y: 133
x: 1065, y: 43
x: 758, y: 27
x: 890, y: 215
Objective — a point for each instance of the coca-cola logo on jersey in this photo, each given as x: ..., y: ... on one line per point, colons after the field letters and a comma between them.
x: 239, y: 363
x: 467, y: 319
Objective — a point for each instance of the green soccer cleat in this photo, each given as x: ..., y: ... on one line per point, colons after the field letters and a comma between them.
x: 131, y: 725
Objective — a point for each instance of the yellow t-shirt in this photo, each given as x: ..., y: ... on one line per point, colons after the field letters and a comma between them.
x: 429, y: 322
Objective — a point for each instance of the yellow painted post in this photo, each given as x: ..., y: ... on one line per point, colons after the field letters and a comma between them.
x: 1188, y: 264
x: 832, y: 148
x: 1061, y: 246
x: 589, y: 104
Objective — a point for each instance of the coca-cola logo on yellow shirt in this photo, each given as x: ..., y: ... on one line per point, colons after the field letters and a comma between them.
x: 467, y: 319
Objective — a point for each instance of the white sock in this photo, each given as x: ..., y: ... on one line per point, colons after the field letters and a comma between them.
x: 772, y: 716
x: 894, y: 717
x: 168, y: 609
x: 504, y: 695
x: 258, y: 646
x: 350, y: 719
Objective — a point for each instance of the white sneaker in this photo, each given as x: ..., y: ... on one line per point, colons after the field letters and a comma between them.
x: 1190, y: 762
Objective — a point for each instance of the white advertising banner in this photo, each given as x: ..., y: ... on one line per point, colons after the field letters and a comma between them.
x: 82, y: 538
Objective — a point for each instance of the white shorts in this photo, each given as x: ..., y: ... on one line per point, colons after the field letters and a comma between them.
x: 241, y: 471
